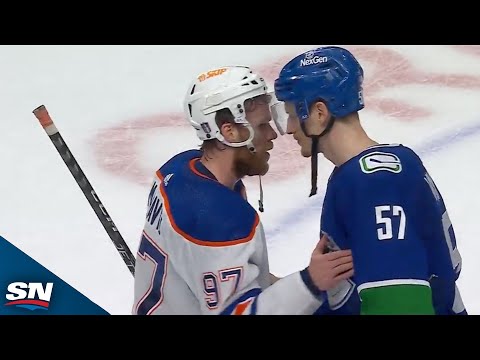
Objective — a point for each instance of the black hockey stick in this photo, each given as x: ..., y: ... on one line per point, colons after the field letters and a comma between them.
x: 46, y: 121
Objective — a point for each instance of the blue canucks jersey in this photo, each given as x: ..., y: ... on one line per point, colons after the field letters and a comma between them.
x: 385, y: 207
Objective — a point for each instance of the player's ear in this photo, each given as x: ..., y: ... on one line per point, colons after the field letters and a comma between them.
x: 319, y: 116
x: 321, y: 113
x: 230, y: 132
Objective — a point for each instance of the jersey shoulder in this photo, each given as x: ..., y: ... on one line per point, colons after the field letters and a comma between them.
x: 201, y: 209
x: 380, y: 164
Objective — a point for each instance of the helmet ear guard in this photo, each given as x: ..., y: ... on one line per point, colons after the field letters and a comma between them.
x: 248, y: 143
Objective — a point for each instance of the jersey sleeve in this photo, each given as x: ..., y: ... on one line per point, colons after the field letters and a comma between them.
x: 380, y: 214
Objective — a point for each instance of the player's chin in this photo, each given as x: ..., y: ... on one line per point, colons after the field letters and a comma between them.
x: 259, y: 168
x: 264, y: 170
x: 306, y: 152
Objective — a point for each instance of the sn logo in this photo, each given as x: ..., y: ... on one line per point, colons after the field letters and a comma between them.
x: 31, y: 296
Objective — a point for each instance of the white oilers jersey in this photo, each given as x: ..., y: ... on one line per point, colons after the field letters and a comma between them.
x: 203, y: 251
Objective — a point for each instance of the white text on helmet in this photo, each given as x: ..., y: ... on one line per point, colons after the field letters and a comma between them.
x: 314, y: 60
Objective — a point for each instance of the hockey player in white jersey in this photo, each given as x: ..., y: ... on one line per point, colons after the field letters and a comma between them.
x: 203, y: 248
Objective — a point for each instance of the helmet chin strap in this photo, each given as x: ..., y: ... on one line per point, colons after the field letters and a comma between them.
x: 260, y: 201
x: 314, y: 165
x: 314, y: 158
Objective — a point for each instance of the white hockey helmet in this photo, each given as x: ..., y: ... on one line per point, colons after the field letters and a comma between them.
x: 222, y: 88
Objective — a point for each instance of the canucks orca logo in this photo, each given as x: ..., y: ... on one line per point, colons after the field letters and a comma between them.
x: 380, y: 161
x: 31, y: 296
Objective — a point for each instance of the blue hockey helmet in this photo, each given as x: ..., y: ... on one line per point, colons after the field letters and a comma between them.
x: 330, y: 74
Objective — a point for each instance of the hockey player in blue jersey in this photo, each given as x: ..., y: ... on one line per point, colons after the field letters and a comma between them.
x: 203, y: 248
x: 380, y: 201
